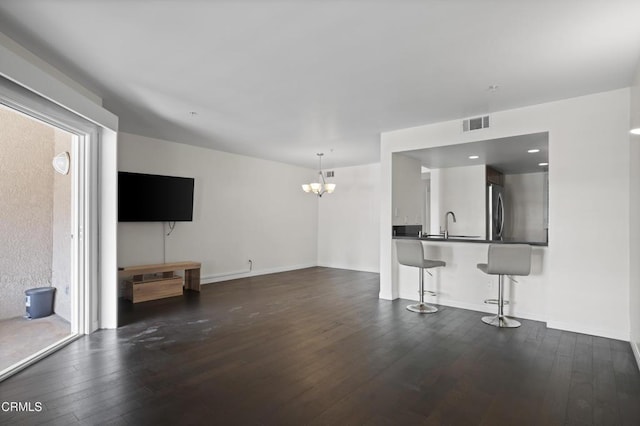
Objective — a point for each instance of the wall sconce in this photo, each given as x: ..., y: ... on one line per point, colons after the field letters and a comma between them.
x: 61, y: 163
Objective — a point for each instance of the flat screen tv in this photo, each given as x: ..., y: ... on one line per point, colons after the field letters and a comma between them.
x: 154, y: 198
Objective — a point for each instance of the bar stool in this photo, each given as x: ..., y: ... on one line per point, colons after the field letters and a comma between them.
x: 505, y: 259
x: 411, y: 253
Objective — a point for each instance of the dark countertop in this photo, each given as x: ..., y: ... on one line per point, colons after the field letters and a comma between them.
x: 471, y: 240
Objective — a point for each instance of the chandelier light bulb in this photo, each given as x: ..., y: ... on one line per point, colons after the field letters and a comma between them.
x: 320, y: 187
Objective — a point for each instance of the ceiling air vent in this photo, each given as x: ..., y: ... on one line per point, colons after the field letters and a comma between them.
x: 476, y: 123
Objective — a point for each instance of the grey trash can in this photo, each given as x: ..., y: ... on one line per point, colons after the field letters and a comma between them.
x: 39, y: 302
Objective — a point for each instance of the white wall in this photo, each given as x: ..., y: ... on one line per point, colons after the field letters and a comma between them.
x: 408, y: 194
x: 585, y: 269
x: 634, y: 240
x: 426, y: 207
x: 24, y: 68
x: 244, y: 208
x: 460, y: 190
x: 349, y: 220
x: 108, y: 230
x: 524, y: 194
x: 51, y: 71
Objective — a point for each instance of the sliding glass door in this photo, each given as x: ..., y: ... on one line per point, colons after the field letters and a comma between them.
x: 47, y: 233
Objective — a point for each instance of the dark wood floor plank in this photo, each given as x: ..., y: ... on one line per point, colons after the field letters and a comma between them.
x: 317, y: 346
x: 567, y: 344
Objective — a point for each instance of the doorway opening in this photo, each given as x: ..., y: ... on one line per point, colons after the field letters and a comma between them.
x: 42, y: 290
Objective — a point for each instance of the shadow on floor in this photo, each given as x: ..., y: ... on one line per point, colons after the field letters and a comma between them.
x: 130, y: 313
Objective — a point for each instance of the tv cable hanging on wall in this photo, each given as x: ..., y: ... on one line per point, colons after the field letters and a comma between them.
x: 172, y: 226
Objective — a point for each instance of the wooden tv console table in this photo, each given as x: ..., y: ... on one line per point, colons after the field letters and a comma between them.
x: 139, y: 289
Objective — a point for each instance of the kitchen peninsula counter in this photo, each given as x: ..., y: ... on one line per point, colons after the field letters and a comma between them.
x: 469, y: 240
x: 461, y: 284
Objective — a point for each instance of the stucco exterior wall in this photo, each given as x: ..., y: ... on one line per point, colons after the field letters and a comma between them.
x: 26, y: 206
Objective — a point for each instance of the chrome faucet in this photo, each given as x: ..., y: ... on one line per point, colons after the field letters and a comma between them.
x: 446, y: 223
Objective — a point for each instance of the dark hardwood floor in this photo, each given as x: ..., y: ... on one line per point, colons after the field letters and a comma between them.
x: 317, y: 346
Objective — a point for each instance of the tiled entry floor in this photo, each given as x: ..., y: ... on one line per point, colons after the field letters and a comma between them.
x: 20, y: 337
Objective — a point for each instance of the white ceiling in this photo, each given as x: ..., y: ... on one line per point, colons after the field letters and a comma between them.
x: 283, y: 80
x: 509, y: 155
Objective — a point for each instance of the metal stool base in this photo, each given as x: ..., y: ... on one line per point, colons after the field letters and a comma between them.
x: 502, y: 322
x: 422, y: 308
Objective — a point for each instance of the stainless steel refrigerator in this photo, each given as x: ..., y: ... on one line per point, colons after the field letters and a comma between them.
x: 495, y: 212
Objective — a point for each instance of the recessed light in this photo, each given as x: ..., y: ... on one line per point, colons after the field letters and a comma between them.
x: 543, y: 164
x: 635, y: 131
x: 532, y: 151
x: 473, y: 157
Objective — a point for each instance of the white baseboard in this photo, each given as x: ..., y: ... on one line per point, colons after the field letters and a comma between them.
x: 558, y: 325
x: 351, y: 267
x: 490, y: 309
x: 636, y: 352
x: 209, y: 279
x: 579, y: 328
x: 386, y: 296
x: 479, y: 307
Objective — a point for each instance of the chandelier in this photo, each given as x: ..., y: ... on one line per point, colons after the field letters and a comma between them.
x: 322, y: 186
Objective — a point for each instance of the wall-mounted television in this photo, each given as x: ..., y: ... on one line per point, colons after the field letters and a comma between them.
x: 154, y: 198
